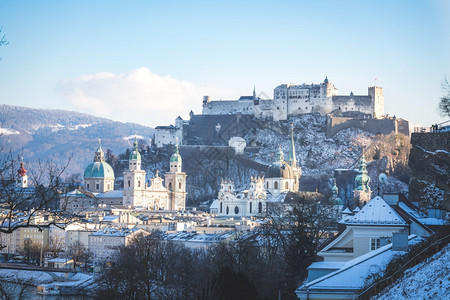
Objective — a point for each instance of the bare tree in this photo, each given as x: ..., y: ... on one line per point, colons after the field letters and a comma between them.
x: 444, y: 104
x: 56, y: 245
x: 79, y: 253
x: 26, y: 205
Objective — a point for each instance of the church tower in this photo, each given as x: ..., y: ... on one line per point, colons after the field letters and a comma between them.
x: 134, y: 185
x: 176, y: 182
x: 22, y: 182
x: 292, y: 160
x: 362, y: 192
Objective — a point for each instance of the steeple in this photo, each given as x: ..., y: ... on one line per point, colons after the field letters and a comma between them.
x: 362, y: 192
x: 254, y: 92
x: 22, y: 182
x: 280, y: 155
x: 362, y: 179
x: 291, y: 155
x: 99, y: 154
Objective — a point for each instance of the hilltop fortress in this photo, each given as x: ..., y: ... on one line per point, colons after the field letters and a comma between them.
x: 293, y: 100
x: 223, y: 119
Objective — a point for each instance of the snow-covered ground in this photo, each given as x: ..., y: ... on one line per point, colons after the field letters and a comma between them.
x: 427, y: 280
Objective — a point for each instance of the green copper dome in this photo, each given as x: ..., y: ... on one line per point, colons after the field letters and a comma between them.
x: 335, y: 195
x: 135, y: 155
x: 99, y: 169
x: 176, y: 157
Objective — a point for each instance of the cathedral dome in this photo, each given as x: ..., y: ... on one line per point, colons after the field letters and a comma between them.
x: 280, y: 169
x: 99, y: 169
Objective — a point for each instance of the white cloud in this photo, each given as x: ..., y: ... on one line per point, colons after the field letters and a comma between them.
x: 138, y: 96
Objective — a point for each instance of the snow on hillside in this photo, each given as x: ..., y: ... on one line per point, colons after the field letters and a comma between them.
x: 315, y: 152
x: 428, y: 280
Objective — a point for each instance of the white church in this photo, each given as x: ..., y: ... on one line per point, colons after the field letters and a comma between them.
x: 281, y: 177
x: 99, y: 185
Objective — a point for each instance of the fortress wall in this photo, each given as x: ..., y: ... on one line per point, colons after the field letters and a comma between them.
x: 228, y: 107
x: 375, y: 126
x: 431, y: 141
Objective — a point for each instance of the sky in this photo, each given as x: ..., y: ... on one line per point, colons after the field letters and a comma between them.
x: 149, y: 61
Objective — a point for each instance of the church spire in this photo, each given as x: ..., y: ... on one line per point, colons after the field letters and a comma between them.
x: 254, y: 92
x: 291, y: 155
x: 99, y: 154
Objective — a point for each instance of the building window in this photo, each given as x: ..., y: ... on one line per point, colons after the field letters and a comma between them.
x: 236, y: 210
x: 139, y: 183
x: 286, y: 186
x: 251, y: 207
x: 221, y: 207
x: 87, y: 186
x: 97, y: 186
x: 267, y: 185
x: 275, y: 185
x: 179, y: 185
x: 129, y: 183
x: 228, y: 210
x: 374, y: 244
x: 260, y: 208
x: 170, y: 185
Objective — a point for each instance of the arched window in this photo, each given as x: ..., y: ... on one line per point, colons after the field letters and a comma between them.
x: 97, y: 186
x: 129, y: 183
x: 179, y: 185
x: 260, y: 208
x: 170, y: 185
x: 267, y: 185
x: 87, y: 186
x: 228, y: 210
x: 221, y: 207
x: 286, y: 186
x: 251, y: 207
x: 236, y: 210
x: 275, y: 185
x: 139, y: 183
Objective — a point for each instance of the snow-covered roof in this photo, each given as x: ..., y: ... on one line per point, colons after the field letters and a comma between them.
x: 214, y: 205
x: 353, y: 274
x: 115, y: 232
x: 110, y: 218
x: 375, y: 212
x: 346, y: 211
x: 432, y: 221
x: 111, y: 194
x: 410, y: 211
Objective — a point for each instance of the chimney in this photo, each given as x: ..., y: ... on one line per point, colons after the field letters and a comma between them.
x: 399, y: 241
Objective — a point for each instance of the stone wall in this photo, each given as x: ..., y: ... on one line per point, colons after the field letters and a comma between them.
x: 375, y: 126
x: 429, y: 161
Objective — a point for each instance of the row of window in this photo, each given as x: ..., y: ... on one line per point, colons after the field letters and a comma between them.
x: 236, y: 208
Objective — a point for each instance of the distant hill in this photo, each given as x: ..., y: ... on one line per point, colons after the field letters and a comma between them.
x: 41, y: 134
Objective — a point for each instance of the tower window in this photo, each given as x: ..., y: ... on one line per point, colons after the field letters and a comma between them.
x: 170, y: 185
x: 97, y: 186
x: 275, y: 185
x: 87, y: 186
x: 228, y: 210
x: 260, y: 208
x: 236, y: 210
x: 221, y: 207
x: 286, y: 186
x: 251, y: 207
x: 139, y: 183
x: 179, y: 185
x: 129, y: 183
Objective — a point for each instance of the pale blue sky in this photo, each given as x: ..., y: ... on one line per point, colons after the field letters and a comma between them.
x: 93, y: 56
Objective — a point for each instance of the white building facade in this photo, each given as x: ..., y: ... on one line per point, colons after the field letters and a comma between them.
x: 292, y: 100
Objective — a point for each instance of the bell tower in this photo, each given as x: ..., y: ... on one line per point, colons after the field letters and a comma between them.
x: 176, y: 182
x: 134, y: 184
